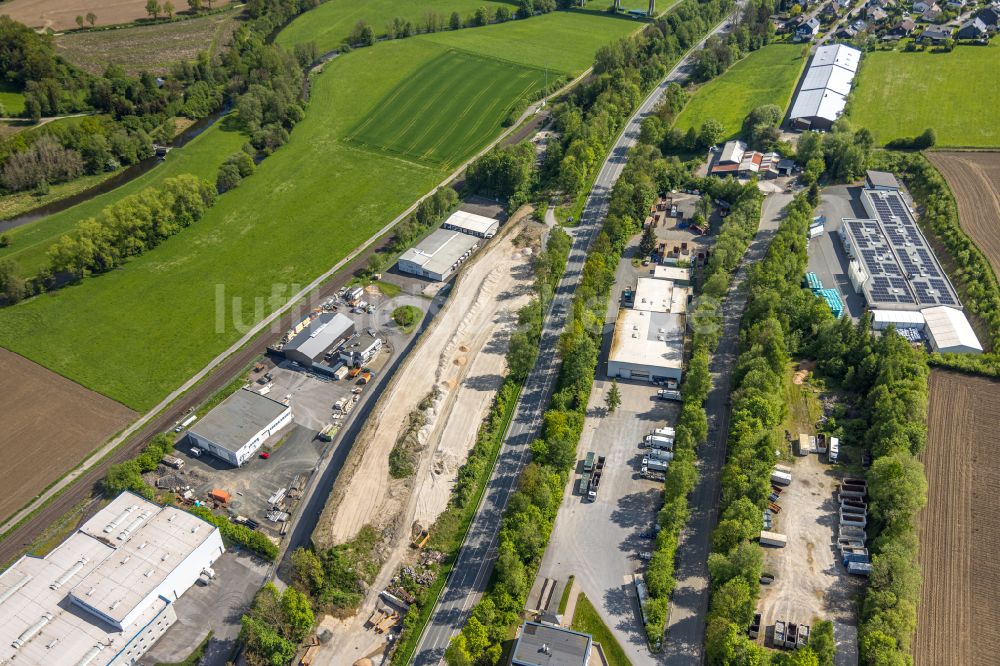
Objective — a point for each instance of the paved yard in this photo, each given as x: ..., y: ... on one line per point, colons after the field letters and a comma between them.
x: 216, y: 608
x: 827, y: 258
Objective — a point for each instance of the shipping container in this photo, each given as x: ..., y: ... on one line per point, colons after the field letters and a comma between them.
x: 220, y: 496
x: 859, y: 568
x: 781, y: 478
x: 773, y: 539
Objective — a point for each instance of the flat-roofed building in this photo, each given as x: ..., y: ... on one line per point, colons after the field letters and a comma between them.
x: 681, y: 277
x: 822, y: 94
x: 881, y: 180
x: 472, y: 224
x: 239, y: 426
x: 104, y: 595
x: 439, y: 255
x: 322, y: 333
x: 647, y: 346
x: 548, y: 645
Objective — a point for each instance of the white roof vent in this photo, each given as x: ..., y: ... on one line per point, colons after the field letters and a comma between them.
x: 32, y: 631
x: 120, y: 518
x: 115, y: 604
x: 134, y: 525
x: 89, y: 657
x: 67, y: 575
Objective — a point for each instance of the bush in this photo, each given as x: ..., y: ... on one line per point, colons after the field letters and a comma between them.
x: 239, y: 534
x: 407, y: 316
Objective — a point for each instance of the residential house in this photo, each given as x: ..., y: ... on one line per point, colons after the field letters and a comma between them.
x: 859, y: 25
x: 932, y: 14
x: 736, y: 159
x: 921, y: 6
x: 846, y: 33
x: 901, y: 29
x: 957, y: 5
x: 807, y: 29
x: 936, y: 34
x: 876, y: 14
x: 830, y: 11
x: 844, y: 4
x: 990, y: 17
x: 974, y: 29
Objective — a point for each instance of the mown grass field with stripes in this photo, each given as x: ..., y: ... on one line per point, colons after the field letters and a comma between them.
x: 436, y: 115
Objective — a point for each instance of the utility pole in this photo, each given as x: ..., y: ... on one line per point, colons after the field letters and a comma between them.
x: 652, y: 8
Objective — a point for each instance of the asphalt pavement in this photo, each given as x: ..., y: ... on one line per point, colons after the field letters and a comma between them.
x: 475, y: 562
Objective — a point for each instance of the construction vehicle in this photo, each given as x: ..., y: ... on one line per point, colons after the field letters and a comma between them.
x: 585, y: 483
x: 354, y: 372
x: 588, y: 462
x: 653, y: 475
x: 421, y: 539
x: 387, y: 623
x: 365, y: 378
x: 595, y: 481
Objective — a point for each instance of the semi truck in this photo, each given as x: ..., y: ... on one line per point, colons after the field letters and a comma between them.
x: 669, y: 394
x: 186, y: 422
x: 660, y: 454
x: 588, y: 462
x: 595, y: 480
x: 666, y: 431
x: 654, y: 464
x: 653, y: 475
x: 658, y: 442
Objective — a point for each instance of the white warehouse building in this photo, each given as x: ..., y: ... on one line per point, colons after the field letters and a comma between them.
x: 648, y: 343
x: 238, y: 427
x: 105, y: 595
x: 439, y: 255
x: 472, y: 224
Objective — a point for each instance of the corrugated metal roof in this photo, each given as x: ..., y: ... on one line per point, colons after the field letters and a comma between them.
x: 319, y: 335
x: 830, y: 77
x: 949, y: 330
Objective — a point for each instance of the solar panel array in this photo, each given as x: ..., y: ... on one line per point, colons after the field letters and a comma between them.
x: 895, y: 254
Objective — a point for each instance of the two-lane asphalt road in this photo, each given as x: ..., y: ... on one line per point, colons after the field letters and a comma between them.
x: 476, y: 559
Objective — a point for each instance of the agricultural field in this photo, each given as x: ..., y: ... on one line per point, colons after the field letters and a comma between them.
x: 466, y: 113
x: 151, y: 48
x: 974, y: 179
x: 330, y: 23
x: 959, y: 612
x: 11, y: 98
x: 202, y: 157
x: 899, y: 94
x: 61, y: 14
x: 40, y: 409
x: 766, y: 76
x: 563, y: 42
x: 137, y: 332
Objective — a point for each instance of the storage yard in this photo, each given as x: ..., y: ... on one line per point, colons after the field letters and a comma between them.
x: 959, y: 609
x: 40, y: 408
x: 460, y: 360
x: 974, y: 179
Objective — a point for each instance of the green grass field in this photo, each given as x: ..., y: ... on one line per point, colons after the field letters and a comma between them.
x: 202, y: 156
x: 564, y: 42
x: 138, y: 332
x: 465, y: 112
x: 330, y: 23
x: 587, y: 620
x: 766, y: 76
x: 11, y: 98
x: 899, y: 94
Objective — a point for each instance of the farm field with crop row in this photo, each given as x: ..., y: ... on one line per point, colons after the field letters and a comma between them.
x: 959, y: 611
x: 465, y: 112
x: 766, y: 76
x: 137, y: 332
x: 330, y: 23
x: 974, y: 179
x: 41, y: 409
x: 151, y: 48
x: 61, y: 14
x: 899, y: 94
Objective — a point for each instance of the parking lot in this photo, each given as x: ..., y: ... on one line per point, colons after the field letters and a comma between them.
x: 809, y: 582
x: 827, y: 258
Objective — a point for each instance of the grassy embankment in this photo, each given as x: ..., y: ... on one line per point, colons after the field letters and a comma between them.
x: 899, y: 94
x: 586, y: 619
x: 137, y: 332
x: 330, y: 23
x: 766, y: 76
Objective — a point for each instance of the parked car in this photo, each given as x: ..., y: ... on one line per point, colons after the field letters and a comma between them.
x: 265, y: 455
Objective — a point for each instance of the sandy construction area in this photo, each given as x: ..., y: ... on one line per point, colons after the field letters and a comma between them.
x: 61, y: 14
x: 50, y: 424
x: 959, y: 611
x: 462, y: 357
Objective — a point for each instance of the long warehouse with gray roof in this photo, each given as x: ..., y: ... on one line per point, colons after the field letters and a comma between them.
x: 822, y: 95
x: 439, y: 255
x: 239, y: 426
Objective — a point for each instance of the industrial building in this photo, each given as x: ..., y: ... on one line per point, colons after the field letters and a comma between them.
x: 239, y: 426
x: 822, y: 95
x: 549, y: 645
x: 316, y: 337
x: 472, y: 224
x: 439, y: 255
x: 105, y: 595
x: 681, y: 277
x: 893, y: 267
x: 648, y: 341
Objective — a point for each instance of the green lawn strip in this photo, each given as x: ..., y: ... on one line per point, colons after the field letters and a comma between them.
x: 565, y: 594
x: 202, y: 157
x: 11, y: 98
x: 899, y: 94
x: 389, y: 289
x: 563, y: 42
x: 586, y: 619
x: 194, y: 658
x: 13, y: 205
x: 330, y: 23
x: 766, y: 76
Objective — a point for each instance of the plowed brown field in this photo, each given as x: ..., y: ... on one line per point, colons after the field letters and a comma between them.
x: 49, y: 426
x: 974, y: 178
x: 959, y: 615
x: 61, y: 14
